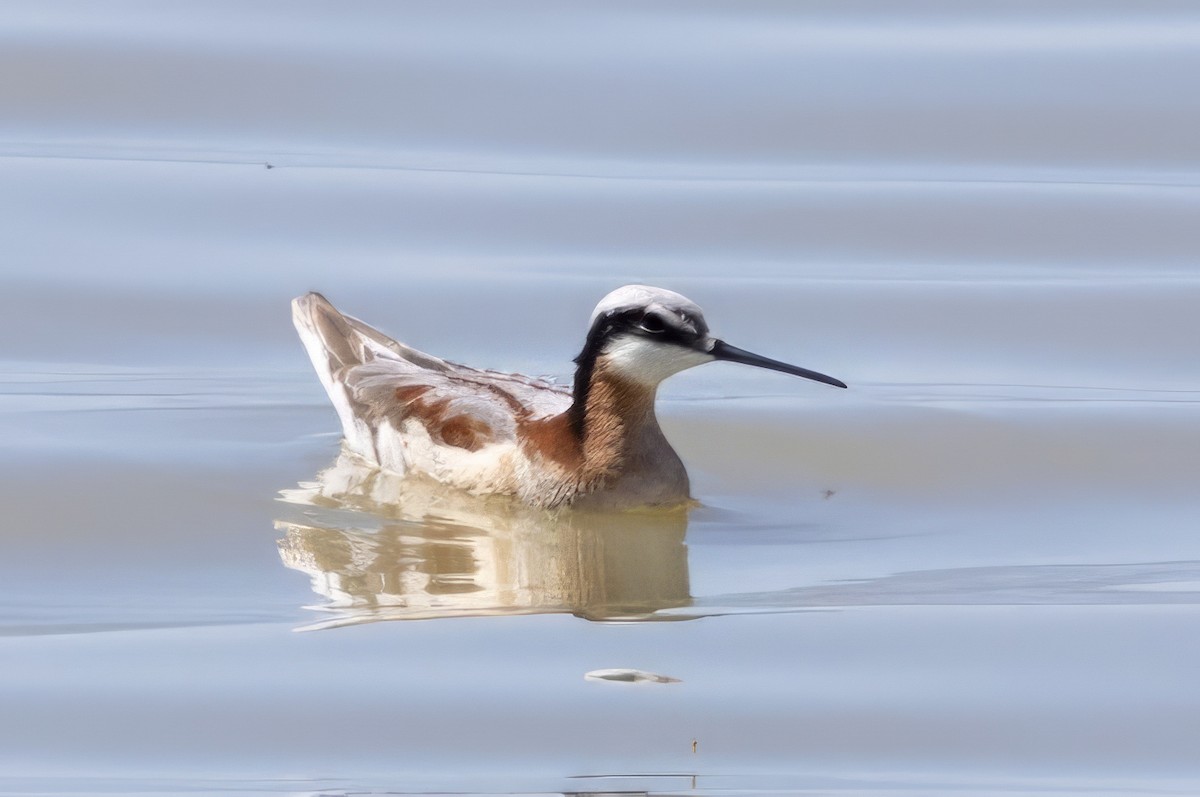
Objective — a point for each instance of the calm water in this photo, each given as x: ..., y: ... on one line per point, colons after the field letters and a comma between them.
x: 976, y: 572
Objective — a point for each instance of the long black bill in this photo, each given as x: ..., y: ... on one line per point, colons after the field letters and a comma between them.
x: 723, y: 351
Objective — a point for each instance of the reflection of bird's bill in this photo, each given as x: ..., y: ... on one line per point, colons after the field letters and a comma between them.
x: 442, y: 553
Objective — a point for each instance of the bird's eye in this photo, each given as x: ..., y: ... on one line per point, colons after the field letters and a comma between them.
x: 652, y: 322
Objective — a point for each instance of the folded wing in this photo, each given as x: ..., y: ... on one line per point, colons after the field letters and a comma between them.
x: 402, y: 409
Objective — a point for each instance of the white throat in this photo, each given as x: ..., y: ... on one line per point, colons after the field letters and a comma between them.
x: 649, y: 362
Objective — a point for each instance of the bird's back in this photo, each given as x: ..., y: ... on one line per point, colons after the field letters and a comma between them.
x: 402, y: 409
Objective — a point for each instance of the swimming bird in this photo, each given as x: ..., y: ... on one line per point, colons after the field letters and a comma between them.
x: 597, y: 444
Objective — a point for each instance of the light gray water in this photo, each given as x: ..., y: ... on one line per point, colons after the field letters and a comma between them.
x: 976, y: 572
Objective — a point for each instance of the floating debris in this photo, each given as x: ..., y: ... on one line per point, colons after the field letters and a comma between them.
x: 630, y: 676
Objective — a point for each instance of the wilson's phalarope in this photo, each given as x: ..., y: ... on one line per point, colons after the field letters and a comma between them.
x: 598, y: 444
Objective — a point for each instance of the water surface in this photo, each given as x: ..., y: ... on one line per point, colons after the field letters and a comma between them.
x: 974, y: 572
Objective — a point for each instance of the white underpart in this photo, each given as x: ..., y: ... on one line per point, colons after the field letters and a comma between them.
x: 389, y: 448
x: 648, y: 361
x: 487, y: 470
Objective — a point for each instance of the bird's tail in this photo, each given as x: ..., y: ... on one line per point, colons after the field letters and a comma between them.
x: 327, y: 336
x: 336, y: 343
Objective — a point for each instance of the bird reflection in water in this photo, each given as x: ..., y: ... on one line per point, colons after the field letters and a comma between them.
x: 382, y: 547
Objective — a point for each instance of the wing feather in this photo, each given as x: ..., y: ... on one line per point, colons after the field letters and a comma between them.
x: 381, y: 387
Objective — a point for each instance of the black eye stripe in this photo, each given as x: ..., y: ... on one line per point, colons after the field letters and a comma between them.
x: 640, y: 321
